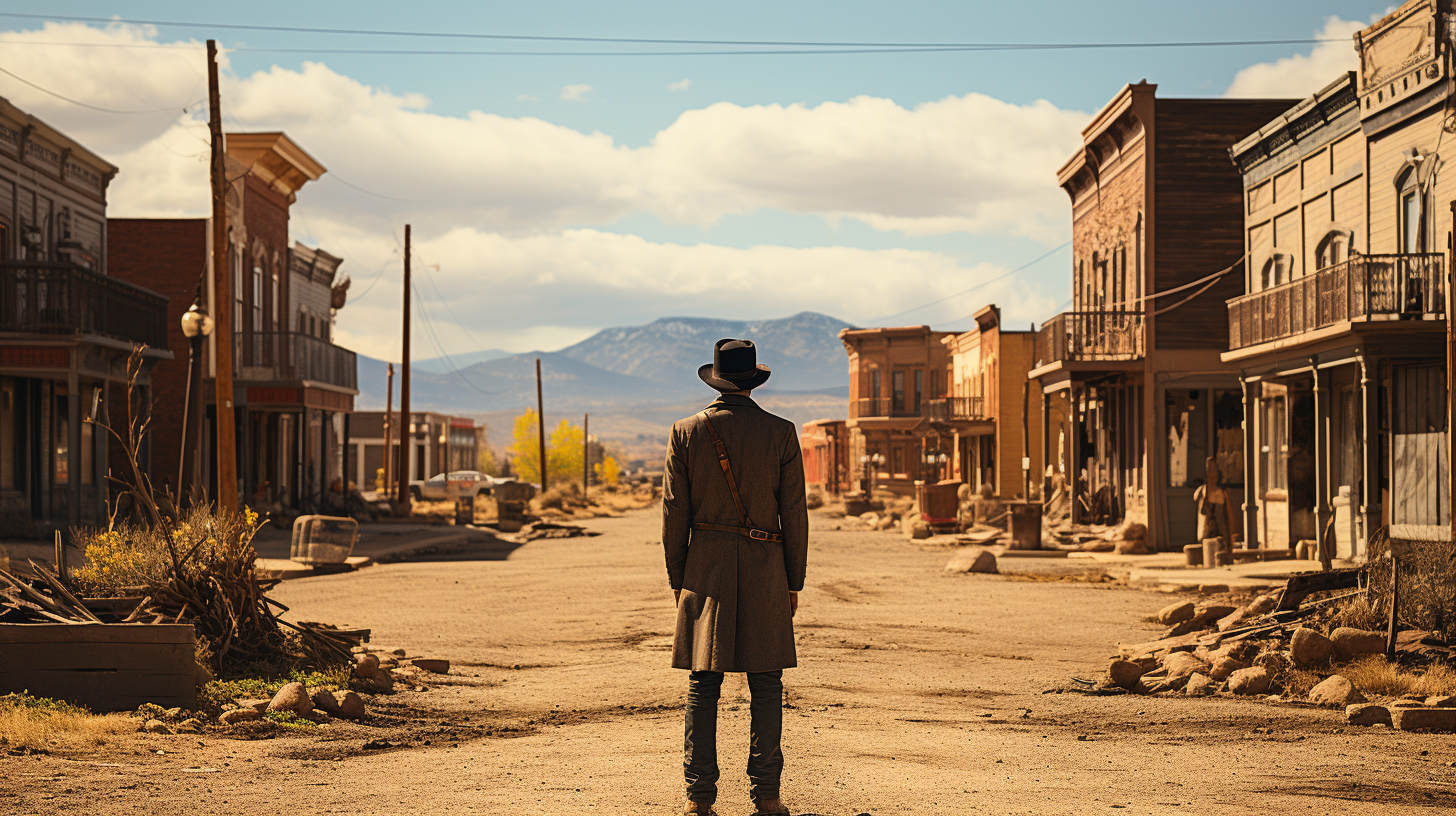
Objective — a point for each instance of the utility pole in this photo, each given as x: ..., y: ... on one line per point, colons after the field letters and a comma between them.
x: 585, y: 454
x: 388, y: 485
x: 222, y: 294
x: 541, y: 424
x: 402, y: 497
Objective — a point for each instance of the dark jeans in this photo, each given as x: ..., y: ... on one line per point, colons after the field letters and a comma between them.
x: 700, y: 738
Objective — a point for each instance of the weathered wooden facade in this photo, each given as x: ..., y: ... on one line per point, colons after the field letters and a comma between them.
x: 1134, y: 370
x: 1340, y: 341
x: 825, y: 447
x: 991, y: 415
x: 896, y: 375
x: 66, y: 329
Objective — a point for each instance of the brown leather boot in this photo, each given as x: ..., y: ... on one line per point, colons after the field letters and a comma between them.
x: 699, y: 809
x: 769, y: 807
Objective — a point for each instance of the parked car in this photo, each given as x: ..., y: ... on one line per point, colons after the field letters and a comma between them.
x: 457, y: 484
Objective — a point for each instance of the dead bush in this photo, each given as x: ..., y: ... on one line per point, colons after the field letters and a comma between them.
x: 39, y: 723
x: 1376, y: 676
x: 1427, y: 584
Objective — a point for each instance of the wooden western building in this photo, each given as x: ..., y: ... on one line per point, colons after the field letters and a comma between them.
x: 1340, y: 340
x: 990, y: 413
x: 1135, y: 395
x: 67, y: 327
x: 294, y: 387
x: 826, y: 448
x: 894, y: 375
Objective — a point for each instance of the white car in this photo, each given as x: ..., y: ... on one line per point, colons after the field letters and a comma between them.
x: 457, y: 484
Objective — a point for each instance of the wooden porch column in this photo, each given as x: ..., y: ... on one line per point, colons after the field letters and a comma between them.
x: 1321, y: 456
x: 1074, y: 451
x: 73, y: 443
x: 1252, y: 488
x: 1370, y: 510
x: 1046, y: 439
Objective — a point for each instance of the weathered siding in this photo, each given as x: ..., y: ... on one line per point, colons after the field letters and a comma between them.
x: 1199, y: 197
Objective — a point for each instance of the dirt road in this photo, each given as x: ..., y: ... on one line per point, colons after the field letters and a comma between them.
x: 918, y: 693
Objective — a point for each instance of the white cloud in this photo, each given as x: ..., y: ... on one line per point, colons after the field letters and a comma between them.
x: 680, y: 85
x: 527, y: 98
x: 1301, y: 75
x: 575, y: 93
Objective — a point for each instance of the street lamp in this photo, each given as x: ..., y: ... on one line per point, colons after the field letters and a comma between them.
x: 196, y: 325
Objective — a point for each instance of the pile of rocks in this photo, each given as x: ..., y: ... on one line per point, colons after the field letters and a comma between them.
x: 158, y: 720
x: 1409, y: 713
x: 377, y: 669
x: 320, y: 707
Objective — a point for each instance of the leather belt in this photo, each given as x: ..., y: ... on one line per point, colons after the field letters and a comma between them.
x: 752, y: 532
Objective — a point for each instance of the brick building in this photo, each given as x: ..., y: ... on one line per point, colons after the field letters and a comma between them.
x: 1134, y: 370
x: 66, y: 329
x: 293, y: 388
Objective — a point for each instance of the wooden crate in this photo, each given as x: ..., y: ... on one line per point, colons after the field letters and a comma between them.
x: 105, y: 667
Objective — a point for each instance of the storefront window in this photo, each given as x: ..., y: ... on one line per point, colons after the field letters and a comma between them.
x: 1228, y: 437
x: 1187, y: 434
x: 1276, y: 443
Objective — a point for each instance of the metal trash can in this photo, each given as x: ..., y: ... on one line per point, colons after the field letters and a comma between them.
x: 323, y: 539
x: 1024, y: 522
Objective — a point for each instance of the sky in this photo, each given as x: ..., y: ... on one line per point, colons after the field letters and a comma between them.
x: 556, y: 188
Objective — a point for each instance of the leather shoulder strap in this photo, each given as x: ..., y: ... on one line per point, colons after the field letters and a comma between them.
x: 727, y: 468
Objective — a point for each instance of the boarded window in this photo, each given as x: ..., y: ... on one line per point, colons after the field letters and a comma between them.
x: 1419, y: 470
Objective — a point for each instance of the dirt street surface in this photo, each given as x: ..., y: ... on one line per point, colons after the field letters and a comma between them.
x: 918, y: 692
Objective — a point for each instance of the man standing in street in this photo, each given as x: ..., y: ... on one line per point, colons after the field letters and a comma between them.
x: 735, y: 529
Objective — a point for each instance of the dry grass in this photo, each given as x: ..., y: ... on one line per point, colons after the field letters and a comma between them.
x: 41, y: 724
x: 1357, y: 613
x: 1373, y: 675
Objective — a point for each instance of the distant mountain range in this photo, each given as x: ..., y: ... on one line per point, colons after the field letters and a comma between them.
x: 633, y: 372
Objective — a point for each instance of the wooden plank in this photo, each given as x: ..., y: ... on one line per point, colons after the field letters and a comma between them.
x: 166, y: 658
x: 96, y: 633
x: 105, y: 691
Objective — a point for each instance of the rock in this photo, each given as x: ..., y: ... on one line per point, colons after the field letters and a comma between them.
x: 1214, y: 612
x: 1443, y: 701
x: 156, y: 726
x: 1352, y: 643
x: 191, y: 725
x: 172, y: 714
x: 919, y: 530
x: 1336, y: 691
x: 433, y: 665
x: 1275, y: 663
x: 1134, y: 531
x: 350, y: 705
x: 315, y: 715
x: 870, y: 517
x: 1232, y: 619
x: 238, y: 715
x: 1249, y: 681
x: 365, y: 666
x: 382, y: 683
x: 1212, y: 589
x: 1200, y: 685
x: 1424, y: 719
x: 1310, y: 648
x: 292, y: 697
x: 257, y: 704
x: 1367, y: 714
x: 1133, y: 547
x: 1262, y: 605
x: 885, y: 523
x: 323, y: 699
x: 971, y: 559
x: 1125, y: 674
x: 1182, y: 665
x: 1225, y: 666
x: 1176, y: 613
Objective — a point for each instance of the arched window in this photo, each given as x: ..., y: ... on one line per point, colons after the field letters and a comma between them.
x: 1334, y: 248
x: 1276, y: 271
x: 1410, y: 212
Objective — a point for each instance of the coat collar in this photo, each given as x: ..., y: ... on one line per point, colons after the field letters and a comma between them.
x: 733, y: 399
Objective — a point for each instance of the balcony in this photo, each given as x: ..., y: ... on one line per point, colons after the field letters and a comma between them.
x: 60, y: 298
x: 283, y: 356
x: 1090, y: 336
x: 952, y: 408
x: 887, y: 408
x: 1362, y: 288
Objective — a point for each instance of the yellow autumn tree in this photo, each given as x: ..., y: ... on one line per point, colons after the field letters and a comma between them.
x: 608, y: 471
x: 563, y: 451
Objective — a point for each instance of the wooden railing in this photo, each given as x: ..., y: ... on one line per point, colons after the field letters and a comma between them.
x: 948, y: 408
x: 1078, y: 336
x: 57, y: 297
x: 1362, y: 287
x: 294, y: 356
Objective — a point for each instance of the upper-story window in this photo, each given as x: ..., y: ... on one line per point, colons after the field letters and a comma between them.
x: 1276, y: 271
x: 257, y: 310
x: 897, y: 389
x: 1333, y: 249
x: 1411, y: 213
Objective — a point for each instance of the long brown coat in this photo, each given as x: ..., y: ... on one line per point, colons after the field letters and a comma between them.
x: 734, y: 612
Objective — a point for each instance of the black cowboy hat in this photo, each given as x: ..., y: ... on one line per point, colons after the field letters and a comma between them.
x: 735, y: 366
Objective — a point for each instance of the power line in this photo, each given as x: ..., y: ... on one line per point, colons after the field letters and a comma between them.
x: 460, y: 324
x: 440, y: 347
x: 983, y: 284
x: 658, y: 41
x: 86, y: 105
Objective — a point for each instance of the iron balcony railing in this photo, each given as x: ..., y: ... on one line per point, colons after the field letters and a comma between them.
x: 889, y: 407
x: 273, y: 356
x: 1079, y: 336
x: 949, y: 408
x: 58, y: 297
x: 1408, y: 285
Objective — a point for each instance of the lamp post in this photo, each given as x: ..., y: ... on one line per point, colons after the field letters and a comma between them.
x: 196, y: 325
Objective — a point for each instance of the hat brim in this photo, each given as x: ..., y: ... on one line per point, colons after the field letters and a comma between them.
x: 754, y: 380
